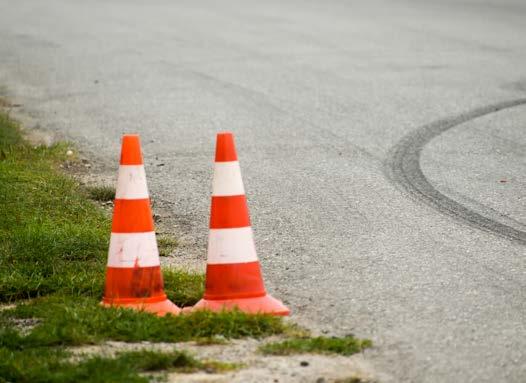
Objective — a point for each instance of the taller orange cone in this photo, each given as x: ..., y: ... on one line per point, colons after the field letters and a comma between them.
x: 233, y: 273
x: 133, y: 275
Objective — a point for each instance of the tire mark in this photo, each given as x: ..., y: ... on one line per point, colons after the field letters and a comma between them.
x: 403, y: 167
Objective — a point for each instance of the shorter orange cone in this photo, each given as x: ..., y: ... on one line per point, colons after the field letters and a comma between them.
x: 233, y: 274
x: 133, y: 274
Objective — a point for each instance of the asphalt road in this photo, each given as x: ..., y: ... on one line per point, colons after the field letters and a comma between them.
x: 382, y: 145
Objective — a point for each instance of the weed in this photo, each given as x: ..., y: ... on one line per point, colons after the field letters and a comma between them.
x: 9, y: 132
x: 347, y: 345
x: 101, y: 193
x: 183, y: 288
x: 166, y: 244
x: 353, y: 379
x: 209, y: 341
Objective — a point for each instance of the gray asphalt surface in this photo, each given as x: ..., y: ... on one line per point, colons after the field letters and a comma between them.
x: 382, y: 145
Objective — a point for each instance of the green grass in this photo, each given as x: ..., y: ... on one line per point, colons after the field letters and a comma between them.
x: 68, y: 321
x: 52, y: 240
x: 54, y: 365
x: 183, y: 288
x: 347, y: 345
x: 10, y: 133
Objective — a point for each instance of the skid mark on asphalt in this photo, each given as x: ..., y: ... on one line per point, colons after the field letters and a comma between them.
x: 403, y: 167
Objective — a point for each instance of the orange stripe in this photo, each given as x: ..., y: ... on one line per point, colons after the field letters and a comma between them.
x: 238, y: 280
x: 132, y: 216
x: 225, y: 147
x: 229, y: 212
x: 131, y: 150
x: 128, y: 285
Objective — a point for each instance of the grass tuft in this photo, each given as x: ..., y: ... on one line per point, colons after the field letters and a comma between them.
x: 353, y: 379
x: 148, y: 361
x: 9, y: 132
x: 183, y: 288
x: 211, y: 341
x: 101, y: 193
x: 347, y: 345
x: 166, y: 244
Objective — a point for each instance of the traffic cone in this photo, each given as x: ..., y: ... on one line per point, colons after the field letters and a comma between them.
x: 133, y: 274
x: 233, y: 273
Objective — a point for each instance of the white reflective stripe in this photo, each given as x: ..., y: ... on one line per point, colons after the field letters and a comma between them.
x: 227, y: 179
x: 133, y: 249
x: 131, y: 183
x: 231, y: 246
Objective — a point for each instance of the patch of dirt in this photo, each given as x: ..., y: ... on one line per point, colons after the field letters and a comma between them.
x: 25, y: 325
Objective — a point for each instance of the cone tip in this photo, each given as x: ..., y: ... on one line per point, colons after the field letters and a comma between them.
x: 225, y: 147
x: 131, y: 150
